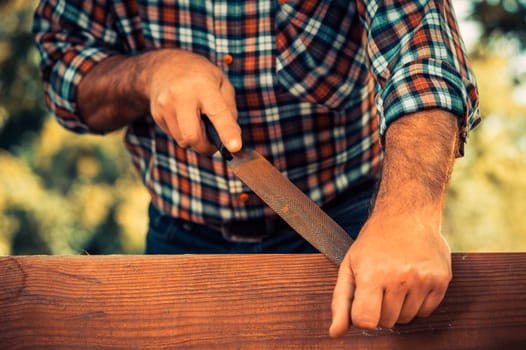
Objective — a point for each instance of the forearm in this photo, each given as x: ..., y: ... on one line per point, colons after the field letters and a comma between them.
x: 419, y: 154
x: 114, y: 92
x: 399, y: 267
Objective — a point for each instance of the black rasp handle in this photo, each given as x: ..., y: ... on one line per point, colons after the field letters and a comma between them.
x: 213, y: 136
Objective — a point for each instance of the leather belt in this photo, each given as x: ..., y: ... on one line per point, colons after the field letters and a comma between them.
x: 256, y: 230
x: 250, y: 231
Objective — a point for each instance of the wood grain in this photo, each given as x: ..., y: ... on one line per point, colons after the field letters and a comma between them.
x: 239, y: 302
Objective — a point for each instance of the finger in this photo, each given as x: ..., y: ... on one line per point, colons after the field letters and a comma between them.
x: 170, y: 127
x: 413, y: 303
x: 392, y: 303
x: 163, y: 114
x: 341, y: 301
x: 220, y: 114
x: 162, y: 124
x: 158, y: 117
x: 229, y: 94
x: 192, y: 133
x: 431, y: 302
x: 367, y: 305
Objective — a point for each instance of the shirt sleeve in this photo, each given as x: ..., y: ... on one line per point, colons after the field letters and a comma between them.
x: 72, y: 37
x: 418, y: 61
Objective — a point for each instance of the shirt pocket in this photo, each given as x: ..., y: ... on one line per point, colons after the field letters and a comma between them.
x: 315, y: 45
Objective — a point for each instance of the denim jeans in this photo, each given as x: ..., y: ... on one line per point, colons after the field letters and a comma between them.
x: 167, y: 235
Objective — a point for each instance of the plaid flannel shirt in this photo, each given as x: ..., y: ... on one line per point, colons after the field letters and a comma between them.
x: 317, y: 84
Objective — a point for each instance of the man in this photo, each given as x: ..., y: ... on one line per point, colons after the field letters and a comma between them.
x: 331, y: 92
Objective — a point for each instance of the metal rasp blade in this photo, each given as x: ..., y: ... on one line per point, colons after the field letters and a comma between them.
x: 287, y: 200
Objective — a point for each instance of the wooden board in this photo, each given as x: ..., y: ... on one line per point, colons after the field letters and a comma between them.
x: 239, y: 302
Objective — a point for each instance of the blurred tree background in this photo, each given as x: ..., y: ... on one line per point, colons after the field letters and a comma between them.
x: 62, y: 193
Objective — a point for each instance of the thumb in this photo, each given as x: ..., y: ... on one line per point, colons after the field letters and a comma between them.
x: 341, y: 300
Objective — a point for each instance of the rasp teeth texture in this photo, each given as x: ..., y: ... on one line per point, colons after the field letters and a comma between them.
x: 287, y: 200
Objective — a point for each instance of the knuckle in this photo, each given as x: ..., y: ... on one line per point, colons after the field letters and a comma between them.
x: 228, y: 87
x: 390, y: 277
x: 189, y: 138
x: 405, y: 275
x: 162, y: 100
x: 368, y: 277
x: 182, y: 143
x: 447, y: 276
x: 216, y: 72
x: 438, y: 278
x: 216, y: 107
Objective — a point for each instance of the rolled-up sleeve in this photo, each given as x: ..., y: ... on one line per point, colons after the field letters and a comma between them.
x: 72, y: 37
x: 419, y: 61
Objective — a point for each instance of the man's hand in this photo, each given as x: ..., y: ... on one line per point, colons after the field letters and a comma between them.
x: 399, y: 267
x: 391, y: 277
x: 174, y: 86
x: 183, y: 86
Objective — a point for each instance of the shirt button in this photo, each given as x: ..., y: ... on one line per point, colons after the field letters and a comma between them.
x: 228, y: 59
x: 243, y: 197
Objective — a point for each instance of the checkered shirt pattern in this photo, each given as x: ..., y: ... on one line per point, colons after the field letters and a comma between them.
x: 317, y: 84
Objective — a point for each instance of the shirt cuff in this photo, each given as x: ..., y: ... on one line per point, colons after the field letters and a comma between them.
x: 429, y: 84
x: 64, y: 81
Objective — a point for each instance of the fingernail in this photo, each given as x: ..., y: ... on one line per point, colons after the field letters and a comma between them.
x: 233, y: 145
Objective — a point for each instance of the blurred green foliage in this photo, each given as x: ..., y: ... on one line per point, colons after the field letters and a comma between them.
x: 62, y: 193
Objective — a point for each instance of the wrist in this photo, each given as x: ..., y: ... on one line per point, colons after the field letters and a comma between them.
x: 412, y: 201
x: 393, y: 219
x: 145, y: 65
x: 409, y: 195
